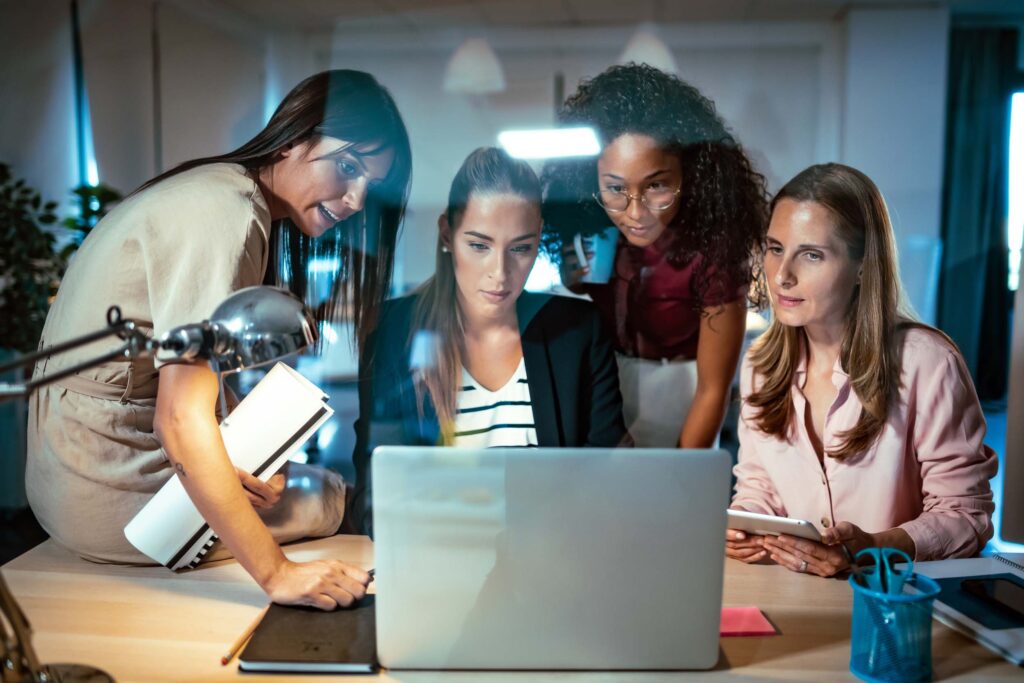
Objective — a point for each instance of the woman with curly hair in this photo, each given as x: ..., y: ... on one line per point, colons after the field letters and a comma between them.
x: 690, y: 211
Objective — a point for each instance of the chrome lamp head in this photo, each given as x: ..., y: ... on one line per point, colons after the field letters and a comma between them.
x: 259, y: 325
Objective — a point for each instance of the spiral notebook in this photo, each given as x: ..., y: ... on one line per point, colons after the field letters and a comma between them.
x: 972, y: 616
x: 263, y: 431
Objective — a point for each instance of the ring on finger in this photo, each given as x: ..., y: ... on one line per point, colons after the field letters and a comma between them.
x: 803, y: 566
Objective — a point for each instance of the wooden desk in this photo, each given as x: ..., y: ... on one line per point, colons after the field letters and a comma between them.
x: 147, y: 625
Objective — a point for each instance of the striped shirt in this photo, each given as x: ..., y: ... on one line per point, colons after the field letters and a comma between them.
x: 492, y: 419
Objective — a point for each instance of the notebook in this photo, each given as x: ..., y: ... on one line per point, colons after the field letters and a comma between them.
x: 263, y: 431
x: 308, y: 640
x: 997, y: 630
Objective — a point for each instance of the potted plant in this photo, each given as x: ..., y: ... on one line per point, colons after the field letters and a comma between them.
x: 30, y: 272
x: 93, y: 201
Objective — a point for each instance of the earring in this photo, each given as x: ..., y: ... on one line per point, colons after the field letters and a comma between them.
x: 445, y: 249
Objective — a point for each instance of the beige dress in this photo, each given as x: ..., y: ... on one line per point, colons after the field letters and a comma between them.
x: 166, y: 256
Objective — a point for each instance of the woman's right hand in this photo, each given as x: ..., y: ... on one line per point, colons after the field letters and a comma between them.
x: 570, y: 270
x: 739, y: 545
x: 324, y: 584
x: 262, y: 494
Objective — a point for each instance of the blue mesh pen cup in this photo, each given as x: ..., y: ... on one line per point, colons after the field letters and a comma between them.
x: 891, y: 637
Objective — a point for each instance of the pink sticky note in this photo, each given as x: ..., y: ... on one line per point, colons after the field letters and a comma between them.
x: 745, y: 621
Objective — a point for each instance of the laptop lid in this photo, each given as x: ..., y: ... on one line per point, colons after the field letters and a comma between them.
x: 549, y: 558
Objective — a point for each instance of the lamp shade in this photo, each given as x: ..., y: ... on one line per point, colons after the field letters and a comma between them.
x: 645, y: 47
x: 265, y: 324
x: 253, y: 326
x: 474, y: 69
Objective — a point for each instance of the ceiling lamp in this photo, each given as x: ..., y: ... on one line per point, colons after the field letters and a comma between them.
x: 646, y: 48
x: 474, y: 69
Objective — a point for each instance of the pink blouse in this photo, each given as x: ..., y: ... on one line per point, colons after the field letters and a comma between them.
x: 928, y: 473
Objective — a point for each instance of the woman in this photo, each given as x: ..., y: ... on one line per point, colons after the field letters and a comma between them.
x: 690, y: 211
x: 472, y: 360
x: 334, y: 157
x: 854, y: 417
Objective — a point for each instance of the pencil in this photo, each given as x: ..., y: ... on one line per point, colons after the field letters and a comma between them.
x: 240, y: 641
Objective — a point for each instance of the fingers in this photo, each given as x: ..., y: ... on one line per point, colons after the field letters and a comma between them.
x: 277, y: 483
x: 355, y: 573
x: 840, y: 533
x: 740, y: 546
x: 330, y: 586
x: 258, y: 488
x: 747, y: 554
x: 255, y: 501
x: 343, y: 588
x: 737, y: 539
x: 792, y: 552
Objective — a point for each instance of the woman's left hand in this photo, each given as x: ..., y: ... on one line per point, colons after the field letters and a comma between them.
x: 824, y: 559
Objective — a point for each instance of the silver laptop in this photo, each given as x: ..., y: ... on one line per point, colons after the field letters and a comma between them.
x: 549, y: 558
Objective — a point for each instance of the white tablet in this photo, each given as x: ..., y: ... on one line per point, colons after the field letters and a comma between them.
x: 765, y: 525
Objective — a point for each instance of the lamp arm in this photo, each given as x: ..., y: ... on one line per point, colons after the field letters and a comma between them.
x: 22, y: 653
x: 137, y: 343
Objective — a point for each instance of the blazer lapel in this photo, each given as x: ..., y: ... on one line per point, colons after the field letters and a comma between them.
x: 539, y: 373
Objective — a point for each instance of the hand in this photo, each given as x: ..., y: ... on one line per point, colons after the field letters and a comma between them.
x: 263, y: 494
x: 570, y: 270
x: 324, y: 584
x: 739, y: 545
x: 827, y: 558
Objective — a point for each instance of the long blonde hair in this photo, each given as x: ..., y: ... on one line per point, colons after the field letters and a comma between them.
x: 870, y: 350
x: 436, y: 336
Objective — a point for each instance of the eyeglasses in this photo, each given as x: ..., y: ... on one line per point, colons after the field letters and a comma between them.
x: 654, y: 198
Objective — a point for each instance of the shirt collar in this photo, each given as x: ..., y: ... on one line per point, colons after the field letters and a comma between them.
x: 839, y: 375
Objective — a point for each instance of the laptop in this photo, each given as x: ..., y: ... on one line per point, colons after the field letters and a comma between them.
x: 549, y: 559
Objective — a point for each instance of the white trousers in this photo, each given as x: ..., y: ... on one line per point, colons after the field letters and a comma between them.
x: 656, y: 398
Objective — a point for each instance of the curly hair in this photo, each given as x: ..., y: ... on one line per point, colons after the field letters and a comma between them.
x: 723, y: 213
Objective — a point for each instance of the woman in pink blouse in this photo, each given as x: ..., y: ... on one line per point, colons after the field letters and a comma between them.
x: 855, y: 417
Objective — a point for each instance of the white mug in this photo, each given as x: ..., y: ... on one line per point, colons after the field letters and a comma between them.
x: 602, y: 250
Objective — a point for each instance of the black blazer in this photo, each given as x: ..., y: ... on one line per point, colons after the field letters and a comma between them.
x: 570, y: 368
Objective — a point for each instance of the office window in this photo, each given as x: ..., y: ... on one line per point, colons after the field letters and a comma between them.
x: 1015, y: 217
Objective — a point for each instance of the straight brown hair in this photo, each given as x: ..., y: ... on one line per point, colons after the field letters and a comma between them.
x: 437, y: 330
x: 870, y: 349
x: 351, y: 106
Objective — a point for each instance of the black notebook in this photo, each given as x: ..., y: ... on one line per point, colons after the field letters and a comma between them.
x: 308, y: 640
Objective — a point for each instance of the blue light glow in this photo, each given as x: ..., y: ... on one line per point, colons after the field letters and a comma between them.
x: 1015, y: 218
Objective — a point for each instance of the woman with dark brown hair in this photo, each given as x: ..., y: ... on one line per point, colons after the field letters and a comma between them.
x: 855, y: 417
x: 472, y: 360
x: 328, y: 176
x: 688, y: 212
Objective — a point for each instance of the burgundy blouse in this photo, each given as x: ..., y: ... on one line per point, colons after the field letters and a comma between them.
x: 650, y: 308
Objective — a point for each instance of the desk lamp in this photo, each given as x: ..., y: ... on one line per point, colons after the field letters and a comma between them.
x: 252, y: 327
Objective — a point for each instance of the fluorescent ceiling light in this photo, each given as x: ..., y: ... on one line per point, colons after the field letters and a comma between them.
x: 550, y: 143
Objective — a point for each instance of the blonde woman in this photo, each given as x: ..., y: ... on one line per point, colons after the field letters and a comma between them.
x: 855, y: 417
x: 471, y: 359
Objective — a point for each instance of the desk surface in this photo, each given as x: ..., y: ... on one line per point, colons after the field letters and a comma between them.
x: 147, y: 625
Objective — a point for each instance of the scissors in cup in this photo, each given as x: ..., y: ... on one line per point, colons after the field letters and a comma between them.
x: 885, y: 577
